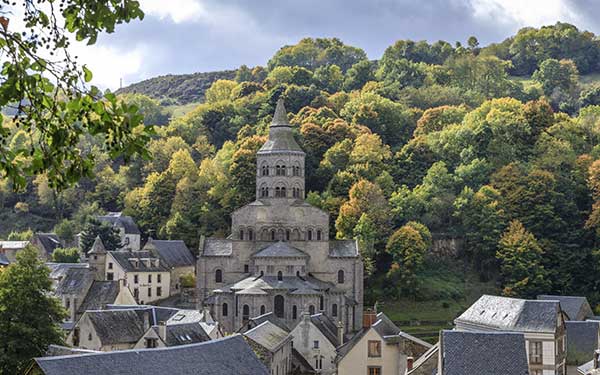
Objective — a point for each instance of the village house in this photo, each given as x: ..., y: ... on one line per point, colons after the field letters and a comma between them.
x: 380, y: 348
x: 316, y: 338
x: 278, y: 256
x: 131, y: 237
x: 125, y: 327
x: 489, y: 353
x: 79, y: 292
x: 46, y: 243
x: 176, y: 256
x: 58, y: 271
x: 577, y: 308
x: 542, y: 323
x: 273, y: 346
x: 10, y: 249
x: 229, y: 355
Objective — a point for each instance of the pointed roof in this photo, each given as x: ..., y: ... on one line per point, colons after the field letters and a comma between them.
x: 98, y: 247
x: 280, y: 249
x: 281, y: 138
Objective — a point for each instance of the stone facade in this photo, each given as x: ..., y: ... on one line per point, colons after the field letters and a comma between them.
x: 279, y: 257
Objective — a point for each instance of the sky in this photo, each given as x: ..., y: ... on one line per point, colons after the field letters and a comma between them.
x: 187, y: 36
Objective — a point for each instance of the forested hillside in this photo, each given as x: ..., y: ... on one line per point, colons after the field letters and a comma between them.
x: 430, y: 138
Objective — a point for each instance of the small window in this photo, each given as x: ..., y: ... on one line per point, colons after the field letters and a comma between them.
x: 321, y: 303
x: 110, y: 276
x: 158, y: 278
x: 245, y: 313
x: 136, y: 293
x: 90, y: 336
x: 374, y: 370
x: 318, y: 362
x: 319, y: 234
x: 158, y: 291
x: 340, y: 276
x: 374, y: 348
x: 272, y: 234
x: 535, y: 352
x: 334, y: 310
x: 263, y: 309
x: 279, y: 275
x: 218, y: 276
x: 311, y: 310
x: 246, y: 268
x: 287, y: 234
x: 316, y: 344
x: 283, y: 192
x: 250, y: 234
x: 68, y: 304
x: 294, y: 312
x: 95, y: 257
x: 150, y: 278
x: 224, y: 311
x: 135, y: 279
x: 149, y: 292
x: 309, y: 235
x: 241, y: 234
x: 110, y: 265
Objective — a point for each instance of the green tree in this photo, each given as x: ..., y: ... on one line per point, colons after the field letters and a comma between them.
x: 153, y: 113
x: 329, y: 78
x: 220, y: 90
x: 553, y: 74
x: 359, y: 74
x: 407, y: 248
x: 109, y: 236
x: 66, y: 255
x: 520, y: 257
x: 366, y: 236
x: 54, y: 106
x: 30, y: 317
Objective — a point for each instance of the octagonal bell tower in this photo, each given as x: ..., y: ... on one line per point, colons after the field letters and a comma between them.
x: 280, y: 161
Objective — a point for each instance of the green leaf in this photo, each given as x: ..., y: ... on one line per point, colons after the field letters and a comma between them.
x: 87, y: 74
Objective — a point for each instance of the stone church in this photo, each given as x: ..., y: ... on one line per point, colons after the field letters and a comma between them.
x: 279, y: 257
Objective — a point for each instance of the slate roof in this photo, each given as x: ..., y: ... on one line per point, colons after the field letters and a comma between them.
x: 268, y: 335
x: 497, y: 353
x: 59, y: 270
x: 343, y: 249
x: 281, y: 137
x: 118, y: 326
x: 512, y: 314
x: 123, y: 258
x: 327, y: 328
x: 268, y: 317
x: 100, y: 294
x: 573, y: 306
x: 582, y: 340
x: 117, y: 219
x: 174, y: 252
x: 229, y: 355
x: 57, y: 350
x: 98, y: 246
x: 293, y: 284
x: 76, y: 281
x: 183, y: 334
x: 217, y: 247
x: 280, y: 249
x: 49, y: 242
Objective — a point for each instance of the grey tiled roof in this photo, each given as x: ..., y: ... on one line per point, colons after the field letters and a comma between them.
x: 327, y: 327
x: 100, y: 294
x: 268, y: 335
x: 230, y: 355
x: 483, y: 353
x: 124, y: 260
x: 217, y: 247
x: 75, y: 281
x: 343, y: 249
x: 59, y: 270
x: 280, y: 249
x: 270, y: 317
x: 183, y: 334
x: 576, y: 308
x: 116, y: 218
x: 307, y: 285
x: 49, y: 241
x: 98, y: 246
x: 512, y: 314
x: 174, y: 252
x: 58, y: 350
x: 582, y: 340
x: 118, y: 326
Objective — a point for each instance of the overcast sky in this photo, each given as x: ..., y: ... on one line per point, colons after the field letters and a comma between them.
x: 186, y: 36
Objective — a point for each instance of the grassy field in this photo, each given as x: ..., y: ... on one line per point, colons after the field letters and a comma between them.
x: 180, y: 110
x: 446, y: 292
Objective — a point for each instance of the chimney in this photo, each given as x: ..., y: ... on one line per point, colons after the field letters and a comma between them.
x: 369, y: 318
x: 162, y: 331
x: 409, y: 363
x: 597, y: 359
x: 340, y: 332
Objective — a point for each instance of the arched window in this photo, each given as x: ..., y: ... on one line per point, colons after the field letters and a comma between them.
x: 279, y: 306
x: 265, y: 235
x: 334, y: 310
x: 340, y: 276
x: 311, y: 310
x: 250, y: 234
x: 218, y: 276
x: 241, y: 234
x: 321, y: 304
x: 245, y: 313
x: 262, y: 309
x: 319, y: 234
x: 279, y: 275
x: 294, y: 312
x: 280, y: 170
x: 224, y: 310
x: 288, y: 234
x: 277, y: 192
x: 272, y: 234
x: 265, y: 170
x: 309, y: 235
x: 283, y: 192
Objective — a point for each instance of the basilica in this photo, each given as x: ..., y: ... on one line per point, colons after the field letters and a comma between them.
x: 279, y: 257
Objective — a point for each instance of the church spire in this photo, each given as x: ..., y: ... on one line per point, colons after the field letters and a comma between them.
x: 280, y: 117
x: 98, y: 246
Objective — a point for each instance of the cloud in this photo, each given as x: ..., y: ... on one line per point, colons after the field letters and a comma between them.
x: 521, y: 13
x: 177, y: 10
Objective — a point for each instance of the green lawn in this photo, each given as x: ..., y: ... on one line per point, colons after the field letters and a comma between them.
x: 180, y: 110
